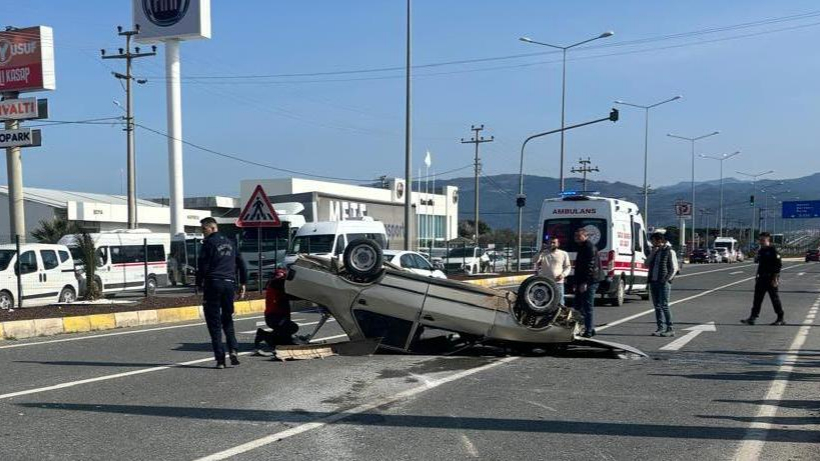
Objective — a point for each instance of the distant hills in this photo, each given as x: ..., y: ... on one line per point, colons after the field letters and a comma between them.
x: 497, y: 197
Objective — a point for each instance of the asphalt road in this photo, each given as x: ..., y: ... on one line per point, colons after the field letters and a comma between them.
x: 740, y: 392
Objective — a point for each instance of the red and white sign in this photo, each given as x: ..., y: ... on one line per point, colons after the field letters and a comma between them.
x: 258, y: 212
x: 19, y: 109
x: 683, y: 209
x: 27, y: 59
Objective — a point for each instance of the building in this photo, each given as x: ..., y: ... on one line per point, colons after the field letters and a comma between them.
x: 92, y: 212
x: 435, y: 216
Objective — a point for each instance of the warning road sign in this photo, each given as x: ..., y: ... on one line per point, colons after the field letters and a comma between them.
x: 683, y: 209
x: 258, y: 212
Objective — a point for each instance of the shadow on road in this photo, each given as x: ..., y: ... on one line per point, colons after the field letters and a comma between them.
x: 747, y: 376
x: 794, y: 404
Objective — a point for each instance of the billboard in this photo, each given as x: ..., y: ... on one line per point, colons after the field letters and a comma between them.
x: 801, y: 209
x: 27, y: 59
x: 160, y: 20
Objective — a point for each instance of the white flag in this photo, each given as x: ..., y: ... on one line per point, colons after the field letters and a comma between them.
x: 427, y: 160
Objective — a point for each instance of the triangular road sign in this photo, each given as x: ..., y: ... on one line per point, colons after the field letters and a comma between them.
x: 258, y: 212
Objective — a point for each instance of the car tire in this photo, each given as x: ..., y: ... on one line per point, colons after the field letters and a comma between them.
x: 538, y: 295
x: 363, y: 259
x: 620, y: 294
x: 67, y: 295
x: 6, y: 300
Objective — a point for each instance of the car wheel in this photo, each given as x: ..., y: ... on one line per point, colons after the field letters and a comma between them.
x: 6, y: 301
x: 537, y: 295
x: 152, y: 286
x: 620, y: 294
x: 68, y: 295
x: 363, y: 258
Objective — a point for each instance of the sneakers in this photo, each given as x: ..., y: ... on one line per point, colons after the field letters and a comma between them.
x: 778, y: 322
x: 749, y: 321
x: 658, y: 332
x: 588, y: 334
x: 220, y: 365
x: 668, y: 333
x: 234, y: 358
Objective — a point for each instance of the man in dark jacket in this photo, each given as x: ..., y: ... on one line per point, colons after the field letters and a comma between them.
x: 219, y: 263
x: 586, y: 279
x: 663, y: 266
x: 767, y: 280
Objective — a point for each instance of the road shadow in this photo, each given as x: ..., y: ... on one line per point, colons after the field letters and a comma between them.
x: 746, y: 376
x: 79, y: 363
x: 793, y: 404
x: 376, y: 419
x: 776, y: 420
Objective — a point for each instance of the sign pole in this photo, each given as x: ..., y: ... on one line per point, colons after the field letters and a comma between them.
x: 682, y: 229
x: 259, y: 257
x: 14, y: 166
x: 173, y: 92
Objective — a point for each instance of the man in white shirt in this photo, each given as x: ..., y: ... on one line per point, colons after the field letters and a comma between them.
x: 553, y: 263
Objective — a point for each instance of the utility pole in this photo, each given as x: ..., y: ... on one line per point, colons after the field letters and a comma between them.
x: 14, y: 166
x: 129, y: 115
x: 477, y: 139
x: 584, y: 169
x: 408, y: 164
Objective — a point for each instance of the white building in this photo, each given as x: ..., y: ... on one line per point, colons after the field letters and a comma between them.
x: 435, y: 216
x: 93, y: 212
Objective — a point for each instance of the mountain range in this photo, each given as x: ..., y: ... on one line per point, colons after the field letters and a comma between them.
x: 497, y: 197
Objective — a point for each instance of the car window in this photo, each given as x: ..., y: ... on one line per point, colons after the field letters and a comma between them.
x: 407, y: 261
x: 340, y: 245
x: 49, y: 258
x: 422, y: 263
x: 28, y: 263
x: 63, y: 256
x: 101, y: 257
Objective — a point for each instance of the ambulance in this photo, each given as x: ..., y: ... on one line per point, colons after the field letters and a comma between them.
x: 616, y: 229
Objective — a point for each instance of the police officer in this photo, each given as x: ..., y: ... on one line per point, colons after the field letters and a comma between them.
x: 767, y: 280
x: 219, y: 263
x: 587, y: 277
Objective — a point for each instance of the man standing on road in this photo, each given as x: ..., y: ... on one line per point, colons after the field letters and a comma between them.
x: 767, y: 280
x: 553, y: 263
x: 663, y: 266
x: 586, y: 279
x: 219, y: 263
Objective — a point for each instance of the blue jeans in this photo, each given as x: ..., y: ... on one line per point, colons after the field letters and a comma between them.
x: 560, y: 293
x: 660, y: 299
x: 584, y: 302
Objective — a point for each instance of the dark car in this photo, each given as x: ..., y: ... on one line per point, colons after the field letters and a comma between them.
x: 813, y: 255
x: 698, y: 255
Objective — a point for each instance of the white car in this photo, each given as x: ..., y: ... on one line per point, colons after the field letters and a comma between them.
x: 46, y: 275
x: 469, y: 260
x: 414, y: 262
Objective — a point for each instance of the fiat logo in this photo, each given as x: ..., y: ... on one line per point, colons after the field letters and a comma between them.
x: 165, y: 13
x: 399, y: 190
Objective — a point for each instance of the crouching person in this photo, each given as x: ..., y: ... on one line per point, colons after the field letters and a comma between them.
x: 277, y: 315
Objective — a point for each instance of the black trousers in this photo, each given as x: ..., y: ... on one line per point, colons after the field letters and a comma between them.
x: 283, y: 330
x: 218, y: 308
x: 763, y: 285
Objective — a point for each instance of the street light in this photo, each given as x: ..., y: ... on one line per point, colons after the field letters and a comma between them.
x: 564, y: 84
x: 768, y: 192
x: 721, y: 159
x: 754, y: 177
x: 692, y: 141
x: 646, y: 150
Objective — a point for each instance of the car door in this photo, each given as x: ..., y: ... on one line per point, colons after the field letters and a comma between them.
x: 34, y: 289
x: 50, y: 272
x: 406, y: 261
x: 423, y: 267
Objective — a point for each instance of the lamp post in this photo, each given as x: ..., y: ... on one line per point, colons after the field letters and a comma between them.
x: 564, y: 84
x: 754, y: 177
x: 692, y: 142
x: 769, y: 193
x: 721, y: 159
x: 408, y: 161
x: 646, y: 149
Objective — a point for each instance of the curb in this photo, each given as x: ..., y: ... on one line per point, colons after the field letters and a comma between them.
x: 20, y: 329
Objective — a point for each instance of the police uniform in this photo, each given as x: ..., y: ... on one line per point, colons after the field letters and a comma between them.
x: 768, y: 274
x: 219, y: 264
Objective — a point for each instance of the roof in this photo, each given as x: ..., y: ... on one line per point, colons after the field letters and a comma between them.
x: 60, y: 198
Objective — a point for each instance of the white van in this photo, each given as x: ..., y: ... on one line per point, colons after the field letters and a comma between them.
x: 618, y: 232
x: 275, y: 240
x: 730, y: 243
x: 332, y: 237
x: 46, y: 275
x: 121, y: 258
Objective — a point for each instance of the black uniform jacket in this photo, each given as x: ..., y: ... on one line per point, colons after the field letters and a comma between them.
x: 219, y: 260
x: 769, y: 263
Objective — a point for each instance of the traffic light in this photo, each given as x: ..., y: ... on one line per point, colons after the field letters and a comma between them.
x: 521, y: 201
x: 613, y: 115
x: 752, y: 201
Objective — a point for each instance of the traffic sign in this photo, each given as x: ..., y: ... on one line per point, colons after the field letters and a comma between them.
x: 25, y: 137
x: 258, y: 212
x: 801, y: 209
x: 23, y: 109
x: 683, y: 209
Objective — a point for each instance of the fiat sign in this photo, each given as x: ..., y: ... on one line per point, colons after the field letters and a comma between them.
x: 172, y: 19
x: 27, y: 59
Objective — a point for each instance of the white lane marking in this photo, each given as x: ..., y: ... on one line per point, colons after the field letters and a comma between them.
x: 119, y: 333
x: 752, y: 445
x: 468, y: 446
x: 336, y: 417
x: 693, y: 333
x: 800, y: 274
x: 250, y: 332
x: 735, y: 272
x: 326, y: 338
x: 709, y: 272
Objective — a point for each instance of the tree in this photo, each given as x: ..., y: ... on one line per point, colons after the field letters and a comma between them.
x: 466, y: 228
x: 88, y: 254
x: 52, y: 231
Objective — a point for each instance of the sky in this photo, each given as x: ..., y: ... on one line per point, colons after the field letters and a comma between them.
x: 756, y: 83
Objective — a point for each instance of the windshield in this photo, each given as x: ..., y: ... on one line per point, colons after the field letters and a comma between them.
x: 5, y: 258
x: 273, y: 239
x: 723, y: 245
x: 77, y: 254
x: 461, y: 253
x: 312, y: 244
x: 564, y: 231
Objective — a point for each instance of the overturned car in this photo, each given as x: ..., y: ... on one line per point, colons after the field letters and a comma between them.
x: 374, y: 299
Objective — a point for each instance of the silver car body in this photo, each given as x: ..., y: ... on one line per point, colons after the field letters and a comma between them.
x: 398, y: 303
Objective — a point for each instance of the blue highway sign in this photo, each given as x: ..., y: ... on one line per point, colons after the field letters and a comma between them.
x: 802, y: 209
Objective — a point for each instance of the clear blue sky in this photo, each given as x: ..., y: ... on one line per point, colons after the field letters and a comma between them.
x: 760, y: 91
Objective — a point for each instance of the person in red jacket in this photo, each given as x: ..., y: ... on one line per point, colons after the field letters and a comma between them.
x: 277, y: 314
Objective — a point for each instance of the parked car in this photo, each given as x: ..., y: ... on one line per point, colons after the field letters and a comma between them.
x: 699, y: 255
x: 377, y: 301
x: 46, y: 275
x: 714, y: 256
x: 413, y: 261
x: 724, y: 255
x: 813, y: 255
x: 469, y: 260
x: 498, y: 261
